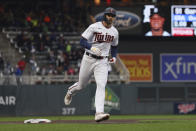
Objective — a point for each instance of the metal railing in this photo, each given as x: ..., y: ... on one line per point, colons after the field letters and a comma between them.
x: 122, y: 69
x: 49, y: 79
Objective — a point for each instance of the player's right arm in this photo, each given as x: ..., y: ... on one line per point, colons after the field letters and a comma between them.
x: 84, y: 43
x: 86, y: 35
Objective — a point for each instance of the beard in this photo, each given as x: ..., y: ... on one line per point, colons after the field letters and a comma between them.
x: 108, y: 21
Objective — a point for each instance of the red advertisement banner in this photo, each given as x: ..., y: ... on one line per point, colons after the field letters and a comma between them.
x: 139, y: 66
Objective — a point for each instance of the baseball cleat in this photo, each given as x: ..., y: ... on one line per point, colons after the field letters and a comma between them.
x: 67, y: 99
x: 101, y: 117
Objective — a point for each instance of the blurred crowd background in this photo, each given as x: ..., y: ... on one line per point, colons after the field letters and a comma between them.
x: 43, y: 34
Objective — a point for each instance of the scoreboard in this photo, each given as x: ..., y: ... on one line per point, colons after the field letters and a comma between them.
x: 183, y: 20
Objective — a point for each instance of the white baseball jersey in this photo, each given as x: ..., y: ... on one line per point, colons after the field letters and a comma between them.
x: 101, y: 37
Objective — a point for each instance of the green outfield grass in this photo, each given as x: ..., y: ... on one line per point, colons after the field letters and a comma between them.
x: 146, y: 123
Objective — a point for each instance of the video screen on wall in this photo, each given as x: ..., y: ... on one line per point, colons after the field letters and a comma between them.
x: 150, y: 20
x: 156, y: 21
x: 183, y: 20
x: 173, y: 21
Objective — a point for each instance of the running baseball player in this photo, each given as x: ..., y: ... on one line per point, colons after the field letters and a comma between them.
x: 97, y: 40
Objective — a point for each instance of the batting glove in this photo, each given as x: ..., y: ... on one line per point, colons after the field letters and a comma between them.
x: 112, y: 60
x: 96, y: 51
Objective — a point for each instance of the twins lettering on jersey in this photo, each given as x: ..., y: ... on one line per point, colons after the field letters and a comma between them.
x: 99, y: 37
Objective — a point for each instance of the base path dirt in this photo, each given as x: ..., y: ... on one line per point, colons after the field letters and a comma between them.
x: 93, y: 122
x: 78, y: 122
x: 115, y: 121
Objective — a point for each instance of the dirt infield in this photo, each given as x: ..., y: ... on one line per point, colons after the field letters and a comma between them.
x: 93, y: 122
x: 79, y: 122
x: 116, y: 121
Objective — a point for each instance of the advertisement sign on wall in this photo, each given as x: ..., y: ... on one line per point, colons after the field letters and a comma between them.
x: 124, y: 20
x: 112, y: 101
x: 178, y: 67
x: 184, y: 108
x: 7, y: 100
x: 139, y: 66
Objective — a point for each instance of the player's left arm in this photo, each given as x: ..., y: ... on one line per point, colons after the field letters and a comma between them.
x: 113, y: 54
x: 114, y: 50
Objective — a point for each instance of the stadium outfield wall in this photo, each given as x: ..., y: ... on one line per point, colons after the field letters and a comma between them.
x: 44, y: 100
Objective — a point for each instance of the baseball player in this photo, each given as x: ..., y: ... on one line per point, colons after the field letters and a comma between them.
x: 97, y: 40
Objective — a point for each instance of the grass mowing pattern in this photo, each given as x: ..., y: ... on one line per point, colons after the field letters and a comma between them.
x: 146, y: 123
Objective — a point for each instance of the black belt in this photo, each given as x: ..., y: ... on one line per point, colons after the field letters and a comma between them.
x: 95, y: 56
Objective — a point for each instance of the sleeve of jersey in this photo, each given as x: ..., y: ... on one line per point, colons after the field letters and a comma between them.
x: 114, y: 51
x: 88, y: 33
x: 114, y: 46
x: 115, y: 43
x: 84, y: 43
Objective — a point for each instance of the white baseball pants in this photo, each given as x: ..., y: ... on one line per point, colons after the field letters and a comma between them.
x: 89, y: 66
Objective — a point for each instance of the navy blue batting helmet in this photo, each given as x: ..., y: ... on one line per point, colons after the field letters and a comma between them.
x: 110, y: 10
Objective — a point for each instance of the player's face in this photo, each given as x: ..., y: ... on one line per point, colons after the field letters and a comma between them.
x: 156, y: 21
x: 110, y: 18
